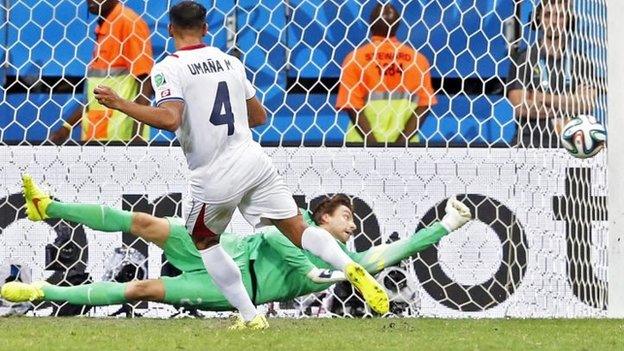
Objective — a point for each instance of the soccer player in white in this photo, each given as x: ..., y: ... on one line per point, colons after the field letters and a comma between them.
x: 204, y: 96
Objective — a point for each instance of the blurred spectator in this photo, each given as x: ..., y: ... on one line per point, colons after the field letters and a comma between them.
x: 385, y: 85
x: 549, y: 82
x: 122, y: 58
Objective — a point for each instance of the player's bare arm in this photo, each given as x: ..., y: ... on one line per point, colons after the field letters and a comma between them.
x: 537, y: 105
x: 526, y: 107
x: 146, y: 90
x: 412, y: 125
x: 582, y: 101
x: 167, y: 116
x: 63, y: 133
x: 256, y: 113
x: 363, y: 125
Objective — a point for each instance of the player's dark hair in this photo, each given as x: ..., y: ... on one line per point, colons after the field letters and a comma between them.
x: 329, y: 205
x: 384, y: 20
x: 188, y: 15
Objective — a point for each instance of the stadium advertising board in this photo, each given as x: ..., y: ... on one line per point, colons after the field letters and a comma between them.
x: 537, y: 246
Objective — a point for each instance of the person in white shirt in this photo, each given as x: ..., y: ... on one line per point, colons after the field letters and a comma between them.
x: 203, y: 95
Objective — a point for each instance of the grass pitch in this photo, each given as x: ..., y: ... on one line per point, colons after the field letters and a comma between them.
x: 310, y: 334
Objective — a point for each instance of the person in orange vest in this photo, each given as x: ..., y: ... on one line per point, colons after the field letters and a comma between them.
x: 385, y: 85
x: 551, y: 81
x: 122, y: 58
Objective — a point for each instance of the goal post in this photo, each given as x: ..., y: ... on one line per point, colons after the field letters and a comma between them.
x: 615, y: 11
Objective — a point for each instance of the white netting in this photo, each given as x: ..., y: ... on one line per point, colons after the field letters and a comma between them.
x: 538, y: 246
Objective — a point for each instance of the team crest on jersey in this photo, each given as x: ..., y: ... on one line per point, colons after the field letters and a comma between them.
x: 165, y: 93
x: 160, y: 79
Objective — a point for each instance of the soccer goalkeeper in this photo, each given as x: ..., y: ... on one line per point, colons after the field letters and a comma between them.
x: 273, y: 269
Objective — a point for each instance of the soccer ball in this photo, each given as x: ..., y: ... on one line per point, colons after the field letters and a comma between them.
x: 583, y: 136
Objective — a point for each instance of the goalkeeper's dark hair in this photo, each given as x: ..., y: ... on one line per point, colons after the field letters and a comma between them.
x: 188, y: 15
x: 328, y: 205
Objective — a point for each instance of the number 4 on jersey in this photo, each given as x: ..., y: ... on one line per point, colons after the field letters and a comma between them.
x: 222, y: 109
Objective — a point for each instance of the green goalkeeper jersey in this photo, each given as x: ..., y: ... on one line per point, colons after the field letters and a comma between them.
x: 281, y: 268
x: 272, y: 268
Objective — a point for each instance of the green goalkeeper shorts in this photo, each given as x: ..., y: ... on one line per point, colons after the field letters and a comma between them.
x: 194, y: 287
x: 180, y: 249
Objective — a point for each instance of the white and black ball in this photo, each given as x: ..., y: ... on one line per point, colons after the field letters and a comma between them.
x: 583, y: 136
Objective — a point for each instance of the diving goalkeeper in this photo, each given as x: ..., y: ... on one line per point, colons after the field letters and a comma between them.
x: 273, y: 269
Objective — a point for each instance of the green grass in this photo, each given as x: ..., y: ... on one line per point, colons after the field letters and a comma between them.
x: 310, y: 334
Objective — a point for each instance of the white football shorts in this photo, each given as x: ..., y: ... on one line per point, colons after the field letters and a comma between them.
x: 262, y: 202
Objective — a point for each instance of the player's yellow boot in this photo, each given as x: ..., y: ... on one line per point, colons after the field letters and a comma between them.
x: 239, y: 324
x: 36, y: 200
x: 374, y: 294
x: 259, y: 322
x: 22, y: 292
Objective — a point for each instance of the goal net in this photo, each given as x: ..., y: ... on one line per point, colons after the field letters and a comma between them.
x: 504, y: 77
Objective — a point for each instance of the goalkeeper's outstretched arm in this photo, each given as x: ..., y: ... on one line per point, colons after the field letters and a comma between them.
x: 382, y: 256
x: 379, y: 257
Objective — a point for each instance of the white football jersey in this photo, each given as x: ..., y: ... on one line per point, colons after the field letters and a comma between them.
x: 222, y: 157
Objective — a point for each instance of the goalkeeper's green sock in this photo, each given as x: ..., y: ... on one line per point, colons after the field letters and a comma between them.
x: 98, y: 217
x: 387, y: 255
x: 96, y: 294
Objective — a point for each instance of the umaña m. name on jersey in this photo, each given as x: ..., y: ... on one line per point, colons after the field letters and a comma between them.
x: 210, y: 66
x: 214, y: 133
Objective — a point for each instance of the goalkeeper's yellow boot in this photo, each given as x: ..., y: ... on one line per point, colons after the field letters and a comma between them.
x: 374, y: 294
x: 36, y: 200
x: 22, y: 292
